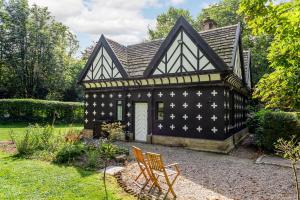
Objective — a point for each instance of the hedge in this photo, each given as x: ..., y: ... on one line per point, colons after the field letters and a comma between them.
x: 268, y: 126
x: 40, y: 111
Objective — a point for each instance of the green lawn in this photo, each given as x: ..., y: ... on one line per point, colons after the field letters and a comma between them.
x: 33, y: 179
x: 20, y: 127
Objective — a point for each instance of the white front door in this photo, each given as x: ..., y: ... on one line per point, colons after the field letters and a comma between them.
x: 141, y: 121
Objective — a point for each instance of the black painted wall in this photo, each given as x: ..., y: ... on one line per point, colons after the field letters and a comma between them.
x: 194, y: 112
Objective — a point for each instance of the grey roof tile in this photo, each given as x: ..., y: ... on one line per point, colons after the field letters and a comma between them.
x: 136, y: 58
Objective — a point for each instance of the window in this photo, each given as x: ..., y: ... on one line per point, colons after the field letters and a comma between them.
x: 160, y: 111
x: 119, y: 110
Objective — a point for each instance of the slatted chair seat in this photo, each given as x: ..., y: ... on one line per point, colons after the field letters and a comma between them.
x: 168, y: 171
x: 158, y: 169
x: 144, y: 169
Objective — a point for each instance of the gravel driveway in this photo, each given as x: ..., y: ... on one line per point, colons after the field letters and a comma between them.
x: 216, y: 176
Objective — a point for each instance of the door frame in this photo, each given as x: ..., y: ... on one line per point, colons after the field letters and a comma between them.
x: 133, y: 103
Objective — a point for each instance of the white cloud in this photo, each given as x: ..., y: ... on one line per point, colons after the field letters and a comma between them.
x: 118, y: 19
x: 176, y: 2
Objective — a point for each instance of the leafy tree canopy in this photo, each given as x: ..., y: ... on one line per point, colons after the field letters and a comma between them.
x: 280, y: 88
x: 166, y: 21
x: 224, y: 13
x: 36, y: 51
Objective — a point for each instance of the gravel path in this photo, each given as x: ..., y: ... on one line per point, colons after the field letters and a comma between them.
x: 219, y: 177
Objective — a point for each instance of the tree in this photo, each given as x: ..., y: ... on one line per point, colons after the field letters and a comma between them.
x: 280, y: 88
x: 36, y: 51
x: 165, y: 21
x: 85, y: 54
x: 290, y: 150
x: 223, y: 13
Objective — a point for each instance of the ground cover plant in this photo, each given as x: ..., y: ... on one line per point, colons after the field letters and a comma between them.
x: 70, y: 147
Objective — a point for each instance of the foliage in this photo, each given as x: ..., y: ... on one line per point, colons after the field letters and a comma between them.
x: 36, y: 53
x: 36, y: 138
x: 280, y: 89
x: 73, y: 136
x: 68, y: 152
x: 42, y: 142
x: 223, y: 13
x: 93, y: 159
x: 165, y: 21
x: 85, y: 54
x: 268, y: 126
x: 114, y: 131
x: 290, y: 150
x: 282, y: 22
x: 34, y: 179
x: 254, y: 120
x: 31, y: 110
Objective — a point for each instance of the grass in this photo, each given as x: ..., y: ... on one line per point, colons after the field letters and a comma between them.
x: 33, y: 179
x: 19, y: 128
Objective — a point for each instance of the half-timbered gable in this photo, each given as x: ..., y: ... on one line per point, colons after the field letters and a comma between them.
x: 103, y: 64
x: 237, y: 68
x: 189, y: 89
x: 247, y: 64
x: 184, y: 51
x: 183, y: 56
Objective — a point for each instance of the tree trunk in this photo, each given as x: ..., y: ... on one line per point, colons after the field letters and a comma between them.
x: 296, y: 180
x: 104, y: 177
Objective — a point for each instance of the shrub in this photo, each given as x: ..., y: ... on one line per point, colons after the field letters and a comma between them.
x: 93, y: 158
x: 269, y: 126
x: 69, y: 152
x: 41, y: 111
x: 112, y: 150
x: 254, y: 120
x: 35, y: 138
x: 73, y: 136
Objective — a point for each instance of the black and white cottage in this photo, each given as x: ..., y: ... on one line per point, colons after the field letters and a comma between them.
x: 189, y: 89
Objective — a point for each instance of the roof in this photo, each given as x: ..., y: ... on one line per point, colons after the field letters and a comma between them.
x: 136, y: 58
x: 221, y: 40
x: 247, y: 60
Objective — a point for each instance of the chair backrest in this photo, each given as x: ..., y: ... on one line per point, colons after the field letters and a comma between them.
x: 155, y: 161
x: 138, y: 154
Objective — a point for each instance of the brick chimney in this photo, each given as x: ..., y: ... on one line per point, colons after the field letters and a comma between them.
x: 208, y: 24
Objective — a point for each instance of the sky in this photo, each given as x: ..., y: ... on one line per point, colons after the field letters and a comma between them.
x: 125, y: 21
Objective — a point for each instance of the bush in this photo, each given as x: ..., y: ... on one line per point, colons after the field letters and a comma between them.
x: 268, y: 126
x: 69, y: 152
x: 41, y: 142
x: 113, y: 151
x: 254, y: 120
x: 93, y: 158
x: 34, y: 139
x: 39, y: 111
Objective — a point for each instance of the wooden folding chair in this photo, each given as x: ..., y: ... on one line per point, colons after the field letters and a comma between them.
x: 144, y: 169
x: 157, y: 168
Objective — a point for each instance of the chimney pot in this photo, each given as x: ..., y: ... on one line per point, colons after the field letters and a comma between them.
x: 208, y: 24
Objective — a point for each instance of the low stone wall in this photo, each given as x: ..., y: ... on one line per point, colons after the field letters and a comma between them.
x: 219, y: 146
x: 223, y: 146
